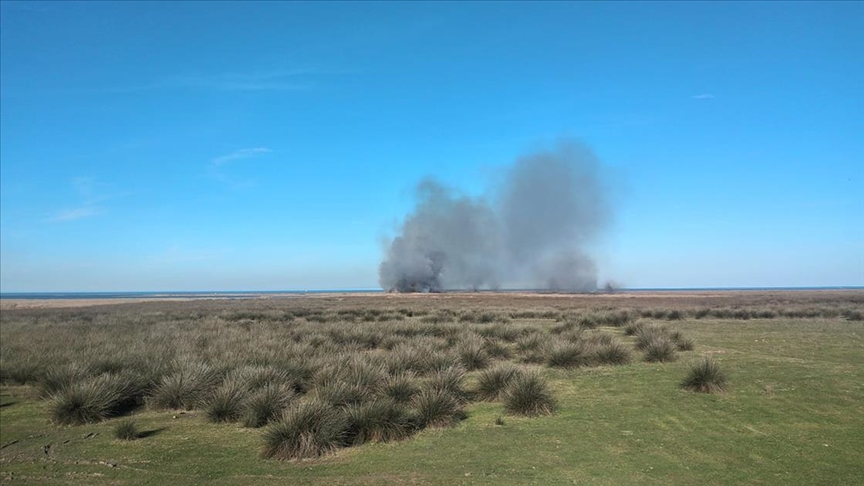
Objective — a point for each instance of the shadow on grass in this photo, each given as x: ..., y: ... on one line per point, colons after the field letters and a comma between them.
x: 150, y: 433
x: 7, y: 404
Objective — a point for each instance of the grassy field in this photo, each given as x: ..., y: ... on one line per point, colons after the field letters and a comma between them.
x: 793, y: 411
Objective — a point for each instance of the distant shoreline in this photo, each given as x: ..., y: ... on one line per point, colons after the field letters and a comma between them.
x: 225, y: 294
x: 57, y: 300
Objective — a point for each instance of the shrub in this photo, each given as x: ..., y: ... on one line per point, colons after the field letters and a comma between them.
x: 226, y: 404
x: 660, y: 350
x: 308, y: 429
x: 568, y: 355
x: 401, y: 387
x: 379, y: 421
x: 93, y: 400
x: 706, y: 377
x: 126, y: 429
x: 613, y: 353
x: 492, y: 382
x: 437, y: 408
x: 529, y: 395
x: 266, y: 404
x: 186, y: 388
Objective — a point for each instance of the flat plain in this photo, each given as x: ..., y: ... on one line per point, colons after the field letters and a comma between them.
x: 792, y: 411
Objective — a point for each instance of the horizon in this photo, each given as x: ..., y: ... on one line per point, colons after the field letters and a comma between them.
x: 206, y: 293
x: 142, y: 147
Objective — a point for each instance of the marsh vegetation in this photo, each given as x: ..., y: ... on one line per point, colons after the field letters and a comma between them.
x: 307, y: 377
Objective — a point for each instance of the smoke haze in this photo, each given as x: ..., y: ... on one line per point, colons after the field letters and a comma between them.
x: 529, y: 232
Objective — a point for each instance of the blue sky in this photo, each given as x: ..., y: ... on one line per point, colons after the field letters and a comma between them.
x: 271, y: 146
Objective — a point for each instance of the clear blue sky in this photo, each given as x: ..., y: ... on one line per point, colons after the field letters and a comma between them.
x: 267, y: 146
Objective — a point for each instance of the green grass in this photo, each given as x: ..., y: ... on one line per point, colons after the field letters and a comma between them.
x: 792, y: 413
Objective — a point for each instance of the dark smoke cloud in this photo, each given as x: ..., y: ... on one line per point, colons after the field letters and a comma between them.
x: 531, y: 232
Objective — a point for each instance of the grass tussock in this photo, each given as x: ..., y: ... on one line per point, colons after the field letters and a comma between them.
x: 61, y: 377
x: 568, y: 355
x: 612, y: 353
x: 472, y: 355
x: 705, y: 377
x: 491, y: 383
x: 266, y: 404
x: 126, y: 429
x: 308, y: 429
x: 186, y: 388
x: 93, y: 400
x: 649, y: 333
x: 227, y: 402
x: 401, y: 387
x: 528, y: 394
x: 438, y: 408
x: 382, y: 420
x: 660, y: 350
x: 449, y: 380
x: 342, y: 394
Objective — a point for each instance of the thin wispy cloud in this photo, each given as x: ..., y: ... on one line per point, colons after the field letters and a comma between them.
x: 218, y: 166
x: 703, y: 96
x: 239, y: 155
x: 74, y: 214
x: 91, y: 195
x: 177, y: 254
x: 264, y: 81
x: 288, y: 80
x: 280, y: 81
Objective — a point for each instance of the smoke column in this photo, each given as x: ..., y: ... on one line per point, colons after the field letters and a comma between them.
x: 529, y: 233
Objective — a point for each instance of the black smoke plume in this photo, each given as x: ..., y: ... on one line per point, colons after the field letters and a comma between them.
x: 528, y: 233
